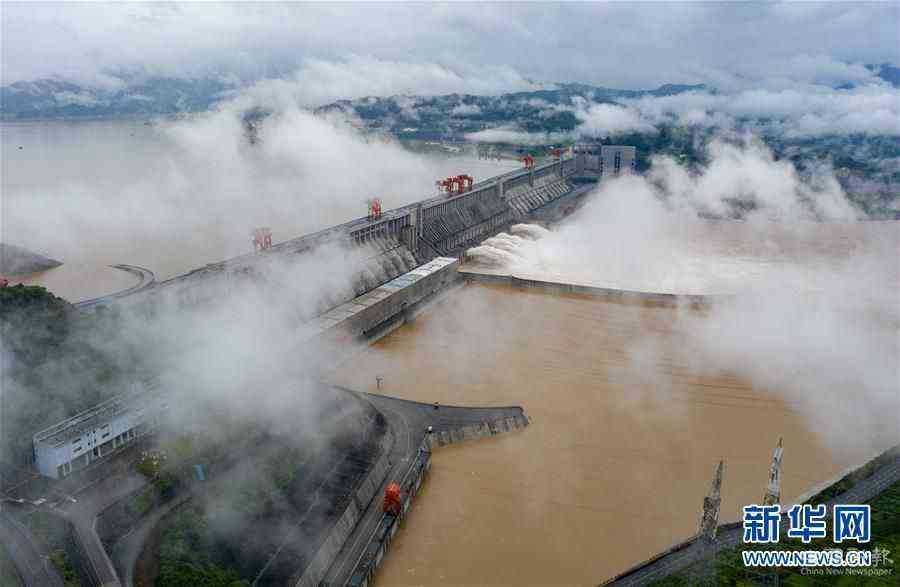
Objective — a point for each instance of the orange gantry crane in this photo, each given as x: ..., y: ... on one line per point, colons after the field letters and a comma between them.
x: 456, y: 184
x: 374, y: 209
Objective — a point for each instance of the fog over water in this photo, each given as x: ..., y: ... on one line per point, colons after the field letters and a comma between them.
x: 175, y: 195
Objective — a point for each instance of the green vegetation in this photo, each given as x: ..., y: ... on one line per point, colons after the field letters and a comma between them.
x: 61, y: 561
x: 46, y: 342
x: 730, y: 569
x: 54, y: 533
x: 184, y: 554
x: 143, y: 501
x: 8, y: 575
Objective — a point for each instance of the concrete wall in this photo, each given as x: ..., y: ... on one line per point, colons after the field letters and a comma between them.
x: 331, y: 546
x: 363, y: 574
x: 474, y: 431
x: 451, y: 224
x: 622, y: 295
x: 364, y: 314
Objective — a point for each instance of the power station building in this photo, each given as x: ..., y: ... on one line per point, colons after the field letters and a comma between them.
x: 96, y: 433
x: 605, y: 160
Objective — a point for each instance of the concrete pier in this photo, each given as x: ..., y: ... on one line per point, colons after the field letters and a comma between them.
x: 557, y: 287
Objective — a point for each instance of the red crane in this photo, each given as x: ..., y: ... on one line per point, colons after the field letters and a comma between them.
x: 449, y: 184
x: 262, y: 238
x: 456, y: 184
x: 465, y: 182
x: 392, y: 502
x: 374, y: 209
x: 529, y: 161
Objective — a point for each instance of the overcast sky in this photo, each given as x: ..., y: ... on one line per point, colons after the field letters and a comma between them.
x: 484, y: 48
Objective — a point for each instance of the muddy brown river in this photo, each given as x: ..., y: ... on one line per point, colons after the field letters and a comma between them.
x: 619, y: 453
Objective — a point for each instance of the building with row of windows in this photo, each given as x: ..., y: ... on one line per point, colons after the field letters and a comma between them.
x: 94, y: 434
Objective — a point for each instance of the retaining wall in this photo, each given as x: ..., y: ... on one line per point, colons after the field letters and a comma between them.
x: 471, y: 432
x: 317, y: 568
x: 381, y: 541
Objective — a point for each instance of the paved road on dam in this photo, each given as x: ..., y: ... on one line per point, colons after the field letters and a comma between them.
x: 409, y: 421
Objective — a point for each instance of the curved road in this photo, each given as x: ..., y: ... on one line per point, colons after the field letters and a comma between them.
x: 146, y: 279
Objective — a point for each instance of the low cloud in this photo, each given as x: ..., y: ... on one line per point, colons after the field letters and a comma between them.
x: 692, y: 42
x: 604, y: 120
x: 808, y: 111
x: 318, y: 81
x: 466, y: 110
x: 515, y: 136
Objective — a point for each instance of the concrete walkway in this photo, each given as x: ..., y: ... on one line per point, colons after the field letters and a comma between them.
x: 687, y: 553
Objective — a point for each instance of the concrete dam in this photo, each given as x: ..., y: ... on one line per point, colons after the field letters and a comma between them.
x: 392, y: 244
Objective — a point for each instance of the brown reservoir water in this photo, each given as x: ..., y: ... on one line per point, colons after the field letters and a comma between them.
x: 614, y: 465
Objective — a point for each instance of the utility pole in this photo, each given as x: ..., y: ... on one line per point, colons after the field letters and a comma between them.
x: 773, y: 491
x: 710, y: 519
x: 709, y: 523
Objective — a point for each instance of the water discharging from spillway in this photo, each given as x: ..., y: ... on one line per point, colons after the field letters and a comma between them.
x: 620, y: 450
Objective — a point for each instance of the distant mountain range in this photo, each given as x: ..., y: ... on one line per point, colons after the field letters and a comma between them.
x: 51, y: 98
x: 451, y: 116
